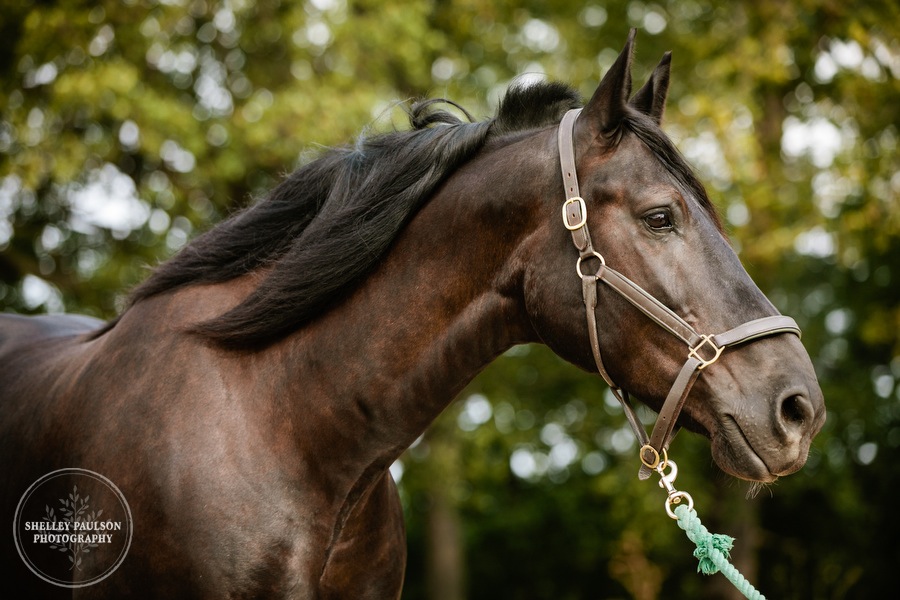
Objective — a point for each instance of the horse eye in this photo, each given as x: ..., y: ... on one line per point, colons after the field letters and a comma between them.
x: 658, y: 221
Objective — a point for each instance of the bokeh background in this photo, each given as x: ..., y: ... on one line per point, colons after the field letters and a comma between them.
x: 127, y: 126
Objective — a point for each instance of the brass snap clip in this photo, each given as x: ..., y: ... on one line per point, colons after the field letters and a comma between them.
x: 667, y: 482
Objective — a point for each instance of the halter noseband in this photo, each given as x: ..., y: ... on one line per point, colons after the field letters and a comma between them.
x: 703, y: 350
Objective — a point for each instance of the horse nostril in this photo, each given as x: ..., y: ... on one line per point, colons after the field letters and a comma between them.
x: 796, y: 411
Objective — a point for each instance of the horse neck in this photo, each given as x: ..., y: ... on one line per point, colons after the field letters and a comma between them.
x: 446, y: 301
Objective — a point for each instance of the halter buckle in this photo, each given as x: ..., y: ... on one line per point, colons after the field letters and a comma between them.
x: 706, y: 340
x: 652, y: 459
x: 579, y: 213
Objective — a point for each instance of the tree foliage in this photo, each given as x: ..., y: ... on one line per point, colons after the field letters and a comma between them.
x: 128, y: 125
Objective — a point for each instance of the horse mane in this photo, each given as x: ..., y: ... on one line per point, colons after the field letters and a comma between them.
x: 322, y: 228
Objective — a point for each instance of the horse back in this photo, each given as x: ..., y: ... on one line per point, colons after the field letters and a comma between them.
x: 17, y: 331
x: 35, y: 352
x: 29, y: 345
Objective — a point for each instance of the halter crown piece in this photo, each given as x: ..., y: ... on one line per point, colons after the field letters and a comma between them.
x: 703, y: 350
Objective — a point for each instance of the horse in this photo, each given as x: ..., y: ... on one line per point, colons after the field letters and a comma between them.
x: 250, y: 398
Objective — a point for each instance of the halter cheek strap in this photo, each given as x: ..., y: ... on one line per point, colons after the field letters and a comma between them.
x: 703, y: 350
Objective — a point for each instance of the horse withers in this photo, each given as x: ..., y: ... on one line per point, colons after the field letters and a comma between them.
x: 249, y: 400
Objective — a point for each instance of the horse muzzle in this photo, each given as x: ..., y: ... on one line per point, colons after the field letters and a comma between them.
x: 762, y: 441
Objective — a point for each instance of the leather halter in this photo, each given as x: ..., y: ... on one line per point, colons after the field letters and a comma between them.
x: 703, y: 350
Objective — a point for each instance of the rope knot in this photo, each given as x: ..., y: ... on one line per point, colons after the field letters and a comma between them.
x: 712, y: 548
x: 709, y: 549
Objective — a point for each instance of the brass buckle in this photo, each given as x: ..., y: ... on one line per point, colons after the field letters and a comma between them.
x: 576, y: 200
x: 656, y: 461
x: 705, y: 340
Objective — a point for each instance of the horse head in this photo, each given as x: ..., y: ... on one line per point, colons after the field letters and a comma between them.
x: 668, y: 287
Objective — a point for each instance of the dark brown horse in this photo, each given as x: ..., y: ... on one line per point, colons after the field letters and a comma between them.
x: 250, y: 399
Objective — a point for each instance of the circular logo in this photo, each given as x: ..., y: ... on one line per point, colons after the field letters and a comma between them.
x: 73, y: 528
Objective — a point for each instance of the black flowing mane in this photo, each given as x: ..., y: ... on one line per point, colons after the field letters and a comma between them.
x: 321, y: 229
x: 324, y: 226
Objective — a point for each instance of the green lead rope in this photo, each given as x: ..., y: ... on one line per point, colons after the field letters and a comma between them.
x: 712, y: 551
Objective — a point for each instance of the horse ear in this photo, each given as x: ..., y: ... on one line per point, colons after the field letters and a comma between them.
x: 651, y: 99
x: 606, y: 108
